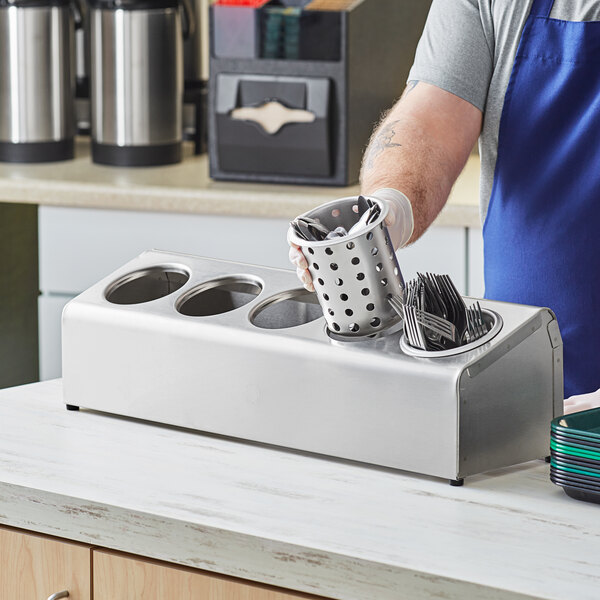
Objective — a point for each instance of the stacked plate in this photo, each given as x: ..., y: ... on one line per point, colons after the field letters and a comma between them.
x: 575, y: 454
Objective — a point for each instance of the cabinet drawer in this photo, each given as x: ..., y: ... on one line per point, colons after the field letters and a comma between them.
x: 118, y: 577
x: 33, y: 567
x: 79, y: 246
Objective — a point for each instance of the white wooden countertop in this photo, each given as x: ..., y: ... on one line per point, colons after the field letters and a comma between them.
x: 326, y: 527
x: 187, y: 188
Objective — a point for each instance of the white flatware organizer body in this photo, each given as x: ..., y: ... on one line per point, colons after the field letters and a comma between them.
x: 296, y: 387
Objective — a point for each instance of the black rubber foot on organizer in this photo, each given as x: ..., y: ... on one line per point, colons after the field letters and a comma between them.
x: 457, y: 482
x: 547, y: 458
x: 72, y: 407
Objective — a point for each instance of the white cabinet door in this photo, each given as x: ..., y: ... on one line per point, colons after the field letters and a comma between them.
x: 476, y: 281
x: 441, y: 250
x: 49, y: 313
x: 79, y: 246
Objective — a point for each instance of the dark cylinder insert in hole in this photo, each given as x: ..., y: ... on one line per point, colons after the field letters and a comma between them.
x: 146, y: 285
x: 217, y: 297
x: 288, y: 309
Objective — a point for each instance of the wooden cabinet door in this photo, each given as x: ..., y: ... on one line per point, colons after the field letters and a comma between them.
x: 118, y: 577
x: 34, y: 567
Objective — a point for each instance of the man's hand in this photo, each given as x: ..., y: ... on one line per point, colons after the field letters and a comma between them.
x: 399, y: 220
x: 298, y: 260
x: 582, y: 402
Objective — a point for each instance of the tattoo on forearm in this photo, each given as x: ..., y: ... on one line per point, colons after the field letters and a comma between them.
x: 381, y: 142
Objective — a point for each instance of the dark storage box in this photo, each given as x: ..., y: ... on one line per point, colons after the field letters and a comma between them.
x: 298, y: 103
x: 298, y: 149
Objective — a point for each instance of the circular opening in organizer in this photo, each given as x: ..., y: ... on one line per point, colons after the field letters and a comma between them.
x: 288, y: 309
x: 219, y: 296
x: 491, y: 318
x: 146, y: 285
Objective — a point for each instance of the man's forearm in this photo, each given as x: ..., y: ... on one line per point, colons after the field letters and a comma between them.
x: 420, y: 148
x: 401, y: 156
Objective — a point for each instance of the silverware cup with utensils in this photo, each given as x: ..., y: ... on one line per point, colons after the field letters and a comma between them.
x: 352, y: 263
x: 436, y: 318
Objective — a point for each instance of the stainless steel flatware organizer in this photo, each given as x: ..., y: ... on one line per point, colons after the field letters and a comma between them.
x: 239, y: 350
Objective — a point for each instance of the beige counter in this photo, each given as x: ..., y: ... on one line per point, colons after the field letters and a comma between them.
x: 186, y: 188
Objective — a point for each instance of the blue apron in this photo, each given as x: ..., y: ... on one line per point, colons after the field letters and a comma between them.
x: 542, y: 231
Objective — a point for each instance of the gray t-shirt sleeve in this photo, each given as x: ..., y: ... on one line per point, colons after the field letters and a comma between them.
x: 455, y: 52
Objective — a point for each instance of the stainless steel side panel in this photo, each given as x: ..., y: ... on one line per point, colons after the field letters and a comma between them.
x: 506, y: 409
x: 37, y: 74
x: 136, y: 76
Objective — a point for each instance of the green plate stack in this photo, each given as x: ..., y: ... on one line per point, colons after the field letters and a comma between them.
x: 575, y: 454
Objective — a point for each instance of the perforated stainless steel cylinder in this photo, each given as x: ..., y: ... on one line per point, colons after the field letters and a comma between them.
x: 354, y: 275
